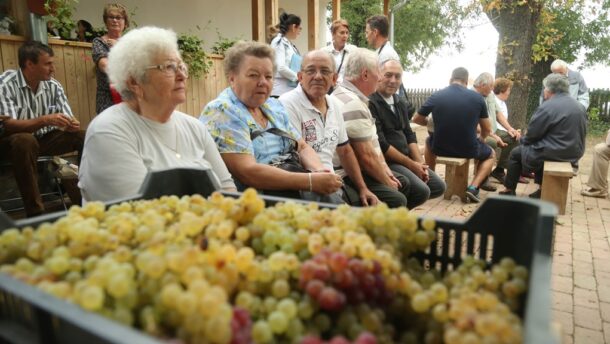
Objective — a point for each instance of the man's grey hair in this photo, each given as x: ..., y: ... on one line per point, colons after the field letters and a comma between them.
x: 382, y: 64
x: 134, y: 52
x: 484, y: 79
x: 359, y: 59
x: 559, y: 64
x: 556, y: 83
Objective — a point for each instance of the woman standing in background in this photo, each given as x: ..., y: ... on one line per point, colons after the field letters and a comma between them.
x: 116, y: 21
x: 339, y: 48
x: 287, y: 56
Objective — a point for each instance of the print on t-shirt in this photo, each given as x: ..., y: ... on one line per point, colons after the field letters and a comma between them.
x: 309, y: 131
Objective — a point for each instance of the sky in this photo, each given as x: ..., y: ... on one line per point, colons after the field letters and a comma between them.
x: 478, y: 56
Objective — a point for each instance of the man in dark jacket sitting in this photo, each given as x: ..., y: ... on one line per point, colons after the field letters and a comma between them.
x: 556, y: 132
x: 396, y: 139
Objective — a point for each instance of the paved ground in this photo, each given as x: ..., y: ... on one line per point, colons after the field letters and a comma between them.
x: 581, y: 258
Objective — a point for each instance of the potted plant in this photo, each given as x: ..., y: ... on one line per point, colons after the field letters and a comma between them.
x: 60, y: 16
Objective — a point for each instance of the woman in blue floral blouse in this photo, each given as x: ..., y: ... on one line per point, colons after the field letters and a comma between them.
x: 244, y: 122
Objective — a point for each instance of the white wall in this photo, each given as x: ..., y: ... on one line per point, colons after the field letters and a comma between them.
x: 232, y: 18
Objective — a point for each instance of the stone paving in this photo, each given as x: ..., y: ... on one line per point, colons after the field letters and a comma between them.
x: 581, y: 259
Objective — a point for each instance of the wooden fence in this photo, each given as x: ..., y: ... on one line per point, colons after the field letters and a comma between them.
x: 418, y: 96
x: 75, y: 70
x: 599, y: 99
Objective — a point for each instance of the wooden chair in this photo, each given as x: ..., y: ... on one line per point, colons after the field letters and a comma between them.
x: 46, y: 177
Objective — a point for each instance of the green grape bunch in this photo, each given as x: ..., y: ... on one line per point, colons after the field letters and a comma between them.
x: 233, y: 270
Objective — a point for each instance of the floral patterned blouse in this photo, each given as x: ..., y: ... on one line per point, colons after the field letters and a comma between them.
x: 230, y: 124
x: 103, y: 99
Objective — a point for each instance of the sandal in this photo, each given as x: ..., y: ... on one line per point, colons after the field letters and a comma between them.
x: 591, y: 192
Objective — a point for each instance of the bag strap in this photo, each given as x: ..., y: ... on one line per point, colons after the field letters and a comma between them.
x: 342, y: 58
x: 276, y: 131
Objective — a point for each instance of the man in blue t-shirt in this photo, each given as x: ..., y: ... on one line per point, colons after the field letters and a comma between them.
x: 457, y: 112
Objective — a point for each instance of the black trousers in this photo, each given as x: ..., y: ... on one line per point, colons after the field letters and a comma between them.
x: 515, y: 168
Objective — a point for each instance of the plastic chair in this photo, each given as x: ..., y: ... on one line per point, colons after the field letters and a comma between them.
x: 46, y: 176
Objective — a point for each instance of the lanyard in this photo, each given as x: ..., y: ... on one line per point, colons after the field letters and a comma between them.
x: 342, y: 58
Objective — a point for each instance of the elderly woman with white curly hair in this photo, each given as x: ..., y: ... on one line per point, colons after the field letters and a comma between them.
x: 145, y: 132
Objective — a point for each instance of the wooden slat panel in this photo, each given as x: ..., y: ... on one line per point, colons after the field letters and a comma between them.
x: 203, y: 87
x: 195, y: 97
x: 81, y: 86
x: 71, y: 86
x: 9, y: 54
x: 20, y: 12
x: 75, y: 70
x: 60, y: 68
x: 189, y: 96
x: 91, y: 84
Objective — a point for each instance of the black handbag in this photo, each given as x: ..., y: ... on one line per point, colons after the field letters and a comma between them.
x: 289, y: 159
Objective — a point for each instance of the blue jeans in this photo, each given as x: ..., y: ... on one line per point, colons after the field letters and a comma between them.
x: 420, y: 192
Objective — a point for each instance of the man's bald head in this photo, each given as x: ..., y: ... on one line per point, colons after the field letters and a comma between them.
x: 317, y: 74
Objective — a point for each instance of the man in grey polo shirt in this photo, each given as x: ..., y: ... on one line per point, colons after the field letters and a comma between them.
x: 320, y: 121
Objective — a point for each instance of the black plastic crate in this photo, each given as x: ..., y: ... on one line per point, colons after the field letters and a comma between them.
x: 502, y: 226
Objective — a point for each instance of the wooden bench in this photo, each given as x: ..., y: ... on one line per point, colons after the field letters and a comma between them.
x: 555, y: 182
x: 456, y: 176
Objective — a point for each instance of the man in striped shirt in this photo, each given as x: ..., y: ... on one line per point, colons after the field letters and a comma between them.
x: 40, y: 121
x: 361, y: 76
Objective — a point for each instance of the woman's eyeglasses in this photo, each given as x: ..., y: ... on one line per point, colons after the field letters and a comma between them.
x: 117, y: 18
x: 171, y: 68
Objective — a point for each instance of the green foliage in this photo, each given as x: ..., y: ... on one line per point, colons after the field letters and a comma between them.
x: 569, y: 29
x: 356, y: 12
x: 60, y: 14
x: 191, y: 49
x: 222, y: 44
x: 421, y: 26
x: 597, y: 125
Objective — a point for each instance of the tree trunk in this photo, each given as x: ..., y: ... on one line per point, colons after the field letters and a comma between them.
x: 540, y: 70
x: 516, y: 24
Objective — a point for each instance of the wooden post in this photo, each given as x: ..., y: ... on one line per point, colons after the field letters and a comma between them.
x: 313, y: 21
x: 271, y: 13
x: 258, y: 21
x: 386, y: 7
x: 18, y: 9
x: 336, y: 9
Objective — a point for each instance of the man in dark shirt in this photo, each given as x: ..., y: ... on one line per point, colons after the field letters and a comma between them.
x: 457, y: 112
x: 397, y: 141
x: 556, y: 132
